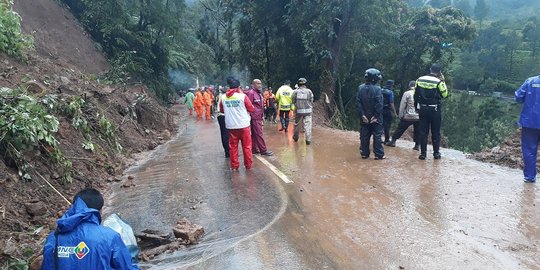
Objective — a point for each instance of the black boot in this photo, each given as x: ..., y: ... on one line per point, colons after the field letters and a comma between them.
x: 391, y: 143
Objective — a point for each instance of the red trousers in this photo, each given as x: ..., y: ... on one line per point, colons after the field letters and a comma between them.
x: 257, y: 140
x: 240, y: 135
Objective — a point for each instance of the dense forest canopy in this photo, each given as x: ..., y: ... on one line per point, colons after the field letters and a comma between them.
x: 485, y: 46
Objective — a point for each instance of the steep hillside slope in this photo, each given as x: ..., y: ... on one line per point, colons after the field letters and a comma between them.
x: 117, y: 121
x: 58, y: 35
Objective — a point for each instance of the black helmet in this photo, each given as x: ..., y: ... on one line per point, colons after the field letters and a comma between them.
x: 373, y: 75
x: 302, y: 81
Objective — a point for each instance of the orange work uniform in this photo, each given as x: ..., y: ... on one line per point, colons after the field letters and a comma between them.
x: 198, y: 104
x: 208, y: 99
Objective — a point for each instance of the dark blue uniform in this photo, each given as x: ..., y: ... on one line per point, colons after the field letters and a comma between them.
x: 388, y: 117
x: 369, y: 103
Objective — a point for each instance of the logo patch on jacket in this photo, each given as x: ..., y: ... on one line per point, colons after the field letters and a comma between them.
x: 80, y: 251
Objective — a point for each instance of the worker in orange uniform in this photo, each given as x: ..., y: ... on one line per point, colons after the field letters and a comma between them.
x: 199, y: 104
x: 270, y: 107
x: 208, y: 100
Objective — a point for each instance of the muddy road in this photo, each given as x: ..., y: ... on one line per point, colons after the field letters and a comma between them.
x: 339, y: 212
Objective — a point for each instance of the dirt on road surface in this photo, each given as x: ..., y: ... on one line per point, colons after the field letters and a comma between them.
x: 340, y: 212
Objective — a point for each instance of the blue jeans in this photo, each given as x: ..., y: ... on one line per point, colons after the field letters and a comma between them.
x: 530, y: 138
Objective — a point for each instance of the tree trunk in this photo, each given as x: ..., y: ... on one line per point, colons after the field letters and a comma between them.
x: 267, y: 54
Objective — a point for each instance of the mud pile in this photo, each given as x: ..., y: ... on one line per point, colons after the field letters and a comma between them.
x: 28, y: 209
x: 507, y: 154
x: 67, y: 64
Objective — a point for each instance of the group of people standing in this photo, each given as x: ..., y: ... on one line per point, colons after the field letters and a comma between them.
x: 202, y: 101
x: 241, y: 117
x: 420, y: 107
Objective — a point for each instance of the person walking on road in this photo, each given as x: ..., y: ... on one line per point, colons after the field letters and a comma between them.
x: 407, y: 117
x: 188, y: 100
x: 80, y: 242
x: 302, y: 100
x: 208, y: 98
x: 222, y: 127
x: 256, y: 98
x: 284, y: 100
x: 389, y: 109
x: 529, y: 95
x: 237, y: 107
x: 369, y: 103
x: 430, y: 90
x: 198, y: 103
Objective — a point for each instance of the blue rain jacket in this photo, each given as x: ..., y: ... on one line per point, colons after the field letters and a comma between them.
x: 84, y: 244
x: 529, y: 95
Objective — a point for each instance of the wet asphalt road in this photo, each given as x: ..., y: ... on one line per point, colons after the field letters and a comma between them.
x: 341, y: 212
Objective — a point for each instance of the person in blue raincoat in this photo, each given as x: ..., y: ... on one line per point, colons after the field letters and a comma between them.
x: 81, y: 243
x: 529, y: 95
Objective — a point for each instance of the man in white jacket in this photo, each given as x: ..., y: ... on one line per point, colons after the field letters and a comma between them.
x: 408, y: 117
x: 236, y: 107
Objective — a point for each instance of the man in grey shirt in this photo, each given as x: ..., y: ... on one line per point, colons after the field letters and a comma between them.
x: 302, y: 99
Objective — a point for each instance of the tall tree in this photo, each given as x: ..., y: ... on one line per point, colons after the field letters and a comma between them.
x: 440, y: 3
x: 481, y: 11
x: 531, y: 33
x: 216, y: 29
x: 335, y: 24
x: 512, y: 42
x: 465, y: 6
x: 427, y: 37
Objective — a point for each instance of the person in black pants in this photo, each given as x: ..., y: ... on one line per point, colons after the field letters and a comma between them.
x: 430, y: 89
x: 223, y: 129
x: 369, y: 103
x: 389, y: 109
x: 408, y: 117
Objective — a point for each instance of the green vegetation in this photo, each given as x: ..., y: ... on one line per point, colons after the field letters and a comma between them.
x: 473, y: 123
x: 26, y: 127
x: 16, y: 264
x: 12, y: 41
x: 143, y: 39
x: 168, y: 44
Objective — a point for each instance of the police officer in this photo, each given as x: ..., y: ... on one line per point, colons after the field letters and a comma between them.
x: 389, y: 109
x: 430, y: 89
x: 369, y: 103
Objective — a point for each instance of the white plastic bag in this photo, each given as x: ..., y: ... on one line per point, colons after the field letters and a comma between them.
x: 120, y: 226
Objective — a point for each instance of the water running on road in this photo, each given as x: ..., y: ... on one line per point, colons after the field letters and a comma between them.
x: 341, y: 212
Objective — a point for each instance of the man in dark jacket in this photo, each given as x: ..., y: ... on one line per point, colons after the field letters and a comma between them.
x: 81, y: 243
x: 256, y: 98
x: 369, y: 103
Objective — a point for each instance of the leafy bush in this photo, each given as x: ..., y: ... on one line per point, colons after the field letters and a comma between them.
x: 25, y: 126
x: 12, y: 41
x: 88, y: 123
x: 472, y: 124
